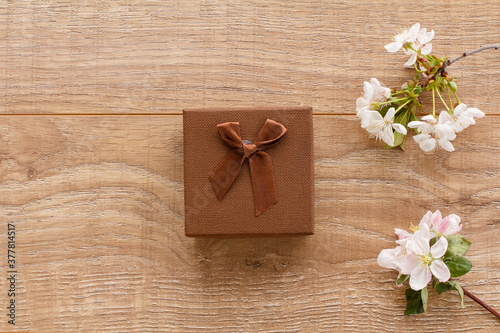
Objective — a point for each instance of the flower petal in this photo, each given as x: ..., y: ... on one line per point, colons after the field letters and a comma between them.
x: 428, y: 144
x: 390, y: 114
x: 413, y: 32
x: 386, y: 258
x: 426, y: 49
x: 425, y: 37
x: 430, y: 118
x: 459, y: 109
x: 362, y: 104
x: 442, y: 225
x: 415, y: 123
x: 399, y: 128
x: 440, y: 270
x: 401, y: 233
x: 426, y: 219
x: 367, y: 87
x: 411, y: 61
x: 420, y: 276
x: 436, y: 217
x: 407, y: 263
x: 419, y: 243
x: 386, y: 92
x: 444, y: 117
x: 446, y: 145
x: 473, y: 112
x: 393, y: 47
x: 421, y: 137
x: 453, y: 226
x: 439, y: 248
x: 375, y: 83
x: 373, y: 115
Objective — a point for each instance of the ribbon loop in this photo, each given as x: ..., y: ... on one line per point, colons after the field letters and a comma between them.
x: 261, y: 168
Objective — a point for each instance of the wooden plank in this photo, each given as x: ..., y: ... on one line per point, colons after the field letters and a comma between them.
x: 98, y: 207
x: 144, y: 56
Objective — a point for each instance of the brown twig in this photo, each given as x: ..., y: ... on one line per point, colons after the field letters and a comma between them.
x: 463, y: 55
x: 477, y: 300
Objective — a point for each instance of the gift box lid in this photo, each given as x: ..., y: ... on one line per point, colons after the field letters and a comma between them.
x: 235, y: 215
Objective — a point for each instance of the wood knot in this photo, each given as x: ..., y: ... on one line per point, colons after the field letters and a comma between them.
x: 31, y: 173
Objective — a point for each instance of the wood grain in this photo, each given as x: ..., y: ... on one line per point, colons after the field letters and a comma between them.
x: 91, y: 165
x: 81, y: 57
x: 98, y: 206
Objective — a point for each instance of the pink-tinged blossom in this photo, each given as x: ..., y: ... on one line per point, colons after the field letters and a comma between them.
x: 427, y: 260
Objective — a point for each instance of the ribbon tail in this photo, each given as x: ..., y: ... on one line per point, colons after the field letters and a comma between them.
x: 226, y: 172
x: 263, y: 185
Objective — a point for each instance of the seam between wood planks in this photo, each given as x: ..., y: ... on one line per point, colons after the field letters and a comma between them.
x: 150, y: 114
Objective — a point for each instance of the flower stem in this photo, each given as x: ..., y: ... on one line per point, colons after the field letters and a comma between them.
x: 456, y: 97
x: 478, y: 301
x: 416, y: 68
x: 442, y: 100
x: 433, y: 103
x: 411, y: 48
x: 394, y: 100
x: 449, y: 96
x: 401, y: 106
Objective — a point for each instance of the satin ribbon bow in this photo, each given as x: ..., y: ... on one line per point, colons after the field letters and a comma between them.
x: 261, y: 167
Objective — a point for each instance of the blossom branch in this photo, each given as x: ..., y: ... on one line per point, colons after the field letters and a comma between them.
x: 463, y: 55
x: 477, y: 300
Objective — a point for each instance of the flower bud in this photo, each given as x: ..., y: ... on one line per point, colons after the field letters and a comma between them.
x: 453, y: 86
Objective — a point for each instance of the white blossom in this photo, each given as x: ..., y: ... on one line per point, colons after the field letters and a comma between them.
x: 405, y: 36
x: 463, y: 117
x: 434, y: 133
x: 382, y: 128
x: 422, y: 44
x: 373, y: 92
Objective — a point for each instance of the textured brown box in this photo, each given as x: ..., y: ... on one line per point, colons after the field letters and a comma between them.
x: 234, y: 215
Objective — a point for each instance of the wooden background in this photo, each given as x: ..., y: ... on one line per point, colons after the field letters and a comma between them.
x: 91, y: 94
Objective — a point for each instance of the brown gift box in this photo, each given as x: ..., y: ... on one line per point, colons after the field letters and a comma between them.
x: 234, y: 215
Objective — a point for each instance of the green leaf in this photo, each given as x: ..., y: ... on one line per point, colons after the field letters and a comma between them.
x: 460, y: 292
x: 442, y: 287
x: 425, y: 296
x: 445, y: 286
x: 402, y: 278
x: 403, y: 118
x: 398, y: 138
x: 458, y: 266
x: 414, y: 303
x: 402, y: 145
x: 457, y: 245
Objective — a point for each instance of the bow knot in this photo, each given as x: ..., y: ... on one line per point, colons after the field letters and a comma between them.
x: 261, y: 168
x: 249, y: 149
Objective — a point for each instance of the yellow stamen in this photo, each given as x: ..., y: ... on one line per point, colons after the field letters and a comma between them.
x: 413, y: 227
x: 426, y: 259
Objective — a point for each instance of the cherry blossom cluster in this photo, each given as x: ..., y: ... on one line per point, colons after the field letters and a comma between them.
x: 387, y: 114
x: 431, y: 252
